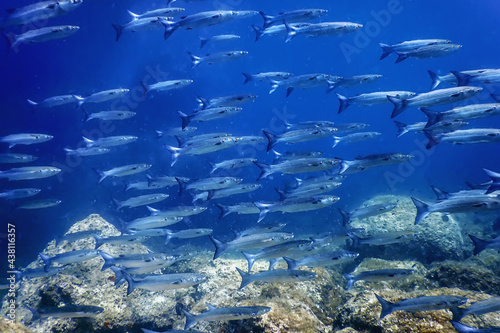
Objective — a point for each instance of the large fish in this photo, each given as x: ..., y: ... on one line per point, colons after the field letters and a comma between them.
x: 7, y: 158
x: 364, y: 212
x: 422, y: 303
x: 474, y: 111
x: 226, y: 192
x: 42, y: 35
x: 181, y: 211
x: 39, y: 11
x: 377, y: 275
x: 135, y: 260
x: 159, y: 282
x: 491, y: 76
x: 24, y: 173
x: 218, y: 39
x: 25, y: 139
x: 222, y: 314
x: 410, y: 45
x: 276, y: 76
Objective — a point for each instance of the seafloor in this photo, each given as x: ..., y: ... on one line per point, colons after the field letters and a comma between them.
x: 440, y: 254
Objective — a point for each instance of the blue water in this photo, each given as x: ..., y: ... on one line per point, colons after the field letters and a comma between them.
x: 91, y: 61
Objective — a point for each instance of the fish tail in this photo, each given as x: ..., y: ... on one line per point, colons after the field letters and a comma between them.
x: 214, y: 167
x: 248, y: 78
x: 186, y: 119
x: 495, y: 177
x: 436, y: 79
x: 153, y: 211
x: 350, y: 281
x: 34, y: 105
x: 69, y: 151
x: 399, y: 105
x: 117, y: 203
x: 344, y: 103
x: 102, y: 175
x: 35, y: 313
x: 346, y: 218
x: 292, y: 264
x: 175, y: 153
x: 11, y: 39
x: 433, y: 139
x: 274, y: 86
x: 220, y: 246
x: 462, y: 79
x: 266, y: 170
x: 159, y: 134
x: 210, y: 194
x: 168, y: 237
x: 109, y: 260
x: 290, y: 31
x: 130, y: 282
x: 203, y: 42
x: 250, y: 258
x: 258, y: 32
x: 402, y: 128
x: 386, y: 50
x: 267, y: 19
x: 169, y: 28
x: 479, y: 244
x: 79, y: 101
x: 495, y: 97
x: 422, y: 210
x: 336, y: 141
x: 458, y: 313
x: 202, y: 102
x: 246, y: 278
x: 224, y: 211
x: 401, y: 57
x: 145, y: 88
x: 281, y: 193
x: 118, y: 29
x: 182, y: 185
x: 386, y: 306
x: 190, y: 319
x: 86, y: 116
x: 434, y: 117
x: 289, y: 91
x: 355, y: 241
x: 119, y: 279
x: 133, y: 15
x: 195, y: 61
x: 344, y: 165
x: 271, y: 138
x: 45, y: 258
x: 264, y: 209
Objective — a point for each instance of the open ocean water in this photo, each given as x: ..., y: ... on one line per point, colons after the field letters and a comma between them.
x: 91, y: 60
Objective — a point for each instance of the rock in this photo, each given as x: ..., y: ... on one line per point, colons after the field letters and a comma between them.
x: 8, y: 326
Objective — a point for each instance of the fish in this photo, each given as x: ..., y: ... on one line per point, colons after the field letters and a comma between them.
x: 110, y: 141
x: 347, y: 82
x: 117, y: 240
x: 8, y: 158
x: 300, y: 135
x: 362, y: 163
x: 295, y: 155
x: 241, y: 208
x: 75, y: 236
x: 25, y: 139
x: 231, y: 100
x: 314, y: 181
x: 141, y: 200
x: 456, y: 205
x: 385, y: 238
x: 181, y: 211
x: 422, y: 303
x: 226, y: 192
x: 495, y: 181
x: 139, y: 24
x: 39, y: 204
x: 275, y: 275
x: 67, y: 311
x: 201, y: 138
x: 25, y: 173
x: 159, y: 282
x: 308, y: 191
x: 377, y: 275
x: 478, y: 308
x: 213, y: 183
x: 302, y: 81
x: 452, y: 79
x: 275, y: 29
x: 374, y: 98
x: 232, y: 164
x: 294, y: 205
x: 481, y: 244
x: 39, y: 11
x: 261, y: 229
x: 217, y: 39
x: 322, y: 29
x: 292, y: 16
x: 144, y: 330
x: 222, y: 314
x: 205, y: 147
x: 249, y: 241
x: 101, y: 96
x: 217, y: 57
x: 162, y: 12
x: 208, y: 114
x: 275, y: 76
x: 70, y: 257
x: 313, y: 164
x: 463, y: 137
x: 410, y: 45
x: 442, y: 126
x: 155, y: 183
x: 350, y: 127
x: 52, y: 102
x: 165, y: 85
x: 122, y: 171
x: 461, y: 328
x: 491, y: 76
x: 109, y: 115
x: 433, y: 98
x: 322, y: 259
x: 468, y: 112
x: 136, y: 260
x: 355, y: 137
x: 429, y: 51
x: 188, y: 233
x: 153, y: 221
x: 364, y: 212
x: 87, y: 151
x: 31, y: 273
x: 19, y: 193
x: 443, y: 195
x: 41, y: 35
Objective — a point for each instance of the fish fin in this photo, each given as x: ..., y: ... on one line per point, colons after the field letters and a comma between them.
x: 214, y: 168
x: 422, y: 210
x: 271, y: 138
x: 79, y: 101
x: 175, y: 153
x: 168, y: 236
x: 210, y: 194
x: 399, y: 105
x: 202, y: 102
x: 344, y: 165
x: 387, y: 307
x: 153, y: 211
x: 258, y: 32
x: 434, y: 139
x: 346, y: 218
x: 203, y: 42
x: 401, y: 57
x: 68, y: 151
x: 440, y: 194
x: 350, y: 281
x: 274, y: 86
x: 273, y: 262
x: 495, y: 177
x: 402, y: 128
x: 224, y: 211
x: 86, y: 116
x: 102, y: 175
x: 248, y: 78
x: 462, y: 79
x: 386, y: 50
x: 479, y: 244
x: 344, y: 103
x: 159, y: 134
x: 331, y: 86
x: 264, y: 209
x: 145, y: 88
x: 169, y: 28
x: 45, y: 258
x: 98, y: 240
x: 356, y: 241
x: 130, y: 282
x: 267, y: 19
x: 35, y: 313
x: 290, y: 31
x: 289, y: 91
x: 457, y: 312
x: 292, y: 264
x: 434, y: 116
x: 246, y: 278
x: 118, y: 29
x: 266, y: 170
x: 182, y: 185
x: 281, y: 193
x: 436, y: 79
x: 186, y: 119
x: 220, y: 246
x: 195, y: 61
x: 134, y: 16
x: 190, y: 319
x: 495, y: 97
x: 108, y: 260
x: 250, y: 258
x: 336, y: 141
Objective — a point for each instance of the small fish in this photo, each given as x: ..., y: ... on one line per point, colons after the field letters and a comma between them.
x: 302, y: 81
x: 297, y: 166
x: 162, y: 12
x: 495, y: 181
x: 322, y: 29
x: 31, y: 273
x: 141, y: 200
x: 135, y: 260
x: 218, y: 39
x: 362, y: 163
x: 101, y: 96
x: 350, y: 127
x: 232, y: 100
x: 430, y: 51
x: 250, y: 241
x: 109, y: 115
x: 322, y: 259
x: 39, y: 204
x: 222, y: 314
x: 206, y: 147
x: 25, y: 139
x: 208, y: 114
x: 29, y: 173
x: 481, y: 244
x: 295, y: 155
x: 377, y: 275
x: 241, y: 208
x: 122, y: 171
x: 206, y: 184
x: 139, y: 24
x: 41, y: 35
x: 181, y: 211
x: 309, y: 190
x: 153, y: 221
x: 67, y: 311
x: 452, y: 79
x: 386, y: 238
x: 275, y: 275
x: 164, y: 281
x: 275, y: 76
x: 70, y: 257
x: 39, y: 11
x: 275, y: 29
x: 19, y: 193
x: 75, y: 236
x: 463, y: 137
x: 217, y: 57
x: 347, y: 82
x: 292, y: 16
x: 409, y: 46
x: 53, y: 101
x: 355, y: 137
x: 474, y: 111
x: 300, y: 135
x: 232, y: 164
x: 365, y: 212
x: 110, y: 141
x: 491, y: 76
x: 87, y: 151
x: 188, y: 233
x: 226, y: 192
x: 165, y: 85
x: 422, y: 303
x: 374, y: 98
x: 491, y: 304
x: 442, y: 126
x: 7, y: 158
x: 117, y: 240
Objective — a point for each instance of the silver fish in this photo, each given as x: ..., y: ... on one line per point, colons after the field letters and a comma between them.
x: 101, y: 96
x: 87, y: 151
x: 241, y: 208
x: 188, y: 233
x: 386, y: 238
x: 53, y: 101
x: 355, y: 137
x: 39, y: 204
x: 322, y: 259
x: 364, y: 212
x: 295, y: 155
x: 451, y: 79
x: 217, y: 57
x: 117, y: 240
x: 39, y: 11
x: 162, y: 12
x: 464, y: 137
x: 7, y: 158
x: 110, y: 141
x: 308, y: 191
x: 430, y: 51
x: 491, y: 76
x: 25, y: 139
x: 139, y: 24
x: 182, y: 211
x: 208, y: 114
x: 474, y: 111
x: 422, y: 303
x: 232, y: 164
x: 74, y: 236
x: 293, y: 16
x: 275, y: 76
x: 31, y: 273
x: 70, y: 257
x: 206, y: 147
x: 362, y: 163
x: 478, y: 308
x: 374, y: 98
x: 377, y: 275
x: 410, y: 45
x: 226, y: 192
x: 275, y: 275
x: 217, y: 39
x: 109, y: 115
x: 442, y: 126
x: 153, y: 221
x: 481, y: 244
x: 302, y: 81
x: 134, y: 260
x: 347, y: 82
x: 165, y: 85
x: 141, y: 200
x: 250, y: 241
x: 164, y: 281
x: 322, y: 29
x: 461, y: 328
x: 67, y: 311
x: 42, y: 35
x: 294, y: 205
x: 300, y: 135
x: 122, y: 171
x: 206, y: 184
x: 198, y: 20
x: 275, y: 29
x: 297, y: 166
x: 232, y: 100
x: 19, y: 193
x: 24, y: 173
